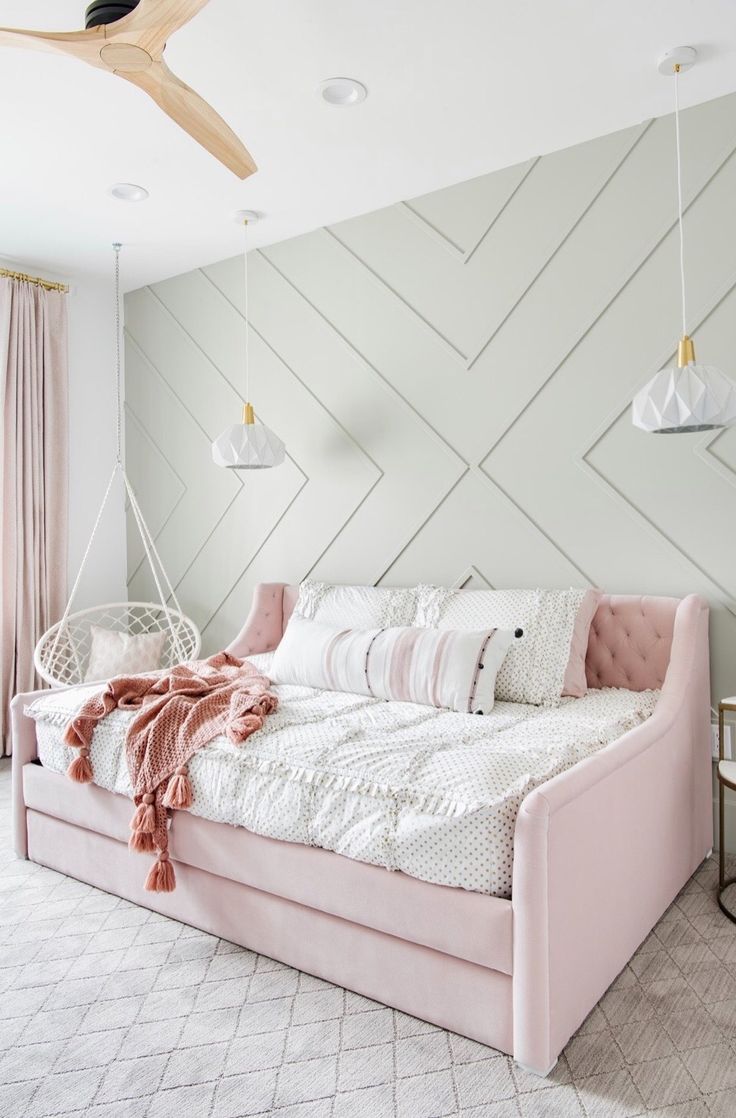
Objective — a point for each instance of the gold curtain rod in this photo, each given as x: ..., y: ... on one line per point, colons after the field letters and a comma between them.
x: 37, y: 281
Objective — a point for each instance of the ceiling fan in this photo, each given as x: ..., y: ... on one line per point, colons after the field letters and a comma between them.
x: 127, y: 38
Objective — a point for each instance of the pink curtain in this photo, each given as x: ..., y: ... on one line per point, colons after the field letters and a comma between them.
x: 33, y: 477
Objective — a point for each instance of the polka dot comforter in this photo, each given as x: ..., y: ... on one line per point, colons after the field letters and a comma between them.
x: 430, y: 792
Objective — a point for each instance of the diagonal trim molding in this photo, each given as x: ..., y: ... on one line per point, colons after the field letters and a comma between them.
x: 452, y: 377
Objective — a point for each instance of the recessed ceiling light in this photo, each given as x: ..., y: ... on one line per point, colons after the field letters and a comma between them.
x: 251, y: 216
x: 342, y: 91
x: 129, y: 192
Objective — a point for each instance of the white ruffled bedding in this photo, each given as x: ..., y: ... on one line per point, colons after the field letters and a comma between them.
x: 433, y: 793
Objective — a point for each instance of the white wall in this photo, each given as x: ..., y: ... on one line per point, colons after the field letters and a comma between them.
x: 92, y: 443
x: 91, y: 434
x: 453, y: 379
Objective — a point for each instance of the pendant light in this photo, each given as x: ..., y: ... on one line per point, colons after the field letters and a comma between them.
x: 247, y: 445
x: 687, y: 397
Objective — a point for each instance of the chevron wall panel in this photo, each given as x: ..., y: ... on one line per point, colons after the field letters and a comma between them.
x: 452, y: 378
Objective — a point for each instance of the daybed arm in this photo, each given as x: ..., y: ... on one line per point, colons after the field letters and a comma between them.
x: 24, y: 751
x: 266, y: 621
x: 602, y: 850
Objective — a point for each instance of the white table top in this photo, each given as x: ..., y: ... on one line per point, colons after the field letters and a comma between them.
x: 727, y: 770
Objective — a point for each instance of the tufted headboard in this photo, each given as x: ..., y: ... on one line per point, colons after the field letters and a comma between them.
x: 629, y: 643
x: 630, y: 640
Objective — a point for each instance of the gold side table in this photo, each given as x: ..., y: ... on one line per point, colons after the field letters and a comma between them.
x: 726, y: 779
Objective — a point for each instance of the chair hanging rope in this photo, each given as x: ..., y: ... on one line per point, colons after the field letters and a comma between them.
x: 62, y: 651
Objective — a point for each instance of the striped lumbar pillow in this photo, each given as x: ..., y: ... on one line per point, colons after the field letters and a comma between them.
x: 455, y: 669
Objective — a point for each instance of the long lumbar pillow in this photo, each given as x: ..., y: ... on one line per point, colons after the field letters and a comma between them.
x: 455, y: 669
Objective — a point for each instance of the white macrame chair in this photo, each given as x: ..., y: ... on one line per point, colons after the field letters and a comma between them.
x: 61, y: 656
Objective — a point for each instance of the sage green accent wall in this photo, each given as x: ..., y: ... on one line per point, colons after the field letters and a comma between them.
x: 452, y: 377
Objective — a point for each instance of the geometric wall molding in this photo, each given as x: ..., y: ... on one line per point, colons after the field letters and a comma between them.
x: 452, y: 378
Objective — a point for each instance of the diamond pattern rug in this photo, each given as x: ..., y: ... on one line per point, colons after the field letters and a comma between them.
x: 112, y: 1011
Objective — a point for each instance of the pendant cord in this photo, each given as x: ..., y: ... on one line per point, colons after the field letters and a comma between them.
x: 119, y: 396
x: 679, y: 198
x: 247, y: 328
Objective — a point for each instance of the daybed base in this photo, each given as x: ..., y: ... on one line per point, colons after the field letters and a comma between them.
x: 425, y: 983
x: 600, y: 852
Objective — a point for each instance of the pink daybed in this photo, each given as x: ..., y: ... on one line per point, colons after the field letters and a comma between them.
x: 600, y: 851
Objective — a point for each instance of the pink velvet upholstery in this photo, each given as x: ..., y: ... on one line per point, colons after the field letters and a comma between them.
x: 273, y: 605
x: 628, y: 645
x: 600, y: 852
x: 470, y: 926
x: 291, y: 593
x: 450, y: 992
x: 629, y: 642
x: 24, y: 751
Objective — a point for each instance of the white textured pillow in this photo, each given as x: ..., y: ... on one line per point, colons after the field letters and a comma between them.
x: 114, y: 653
x: 455, y: 669
x: 535, y: 669
x: 576, y: 682
x: 356, y: 607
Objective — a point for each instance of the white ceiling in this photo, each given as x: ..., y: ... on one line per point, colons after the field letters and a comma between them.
x: 456, y: 89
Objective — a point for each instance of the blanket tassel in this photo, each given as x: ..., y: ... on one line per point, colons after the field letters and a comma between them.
x: 161, y: 877
x: 141, y: 842
x: 145, y: 815
x: 80, y: 769
x: 178, y: 793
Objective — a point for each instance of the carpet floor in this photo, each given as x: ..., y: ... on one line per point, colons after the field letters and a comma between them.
x: 109, y: 1010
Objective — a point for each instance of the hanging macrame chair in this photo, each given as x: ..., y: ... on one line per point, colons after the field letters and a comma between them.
x: 62, y: 655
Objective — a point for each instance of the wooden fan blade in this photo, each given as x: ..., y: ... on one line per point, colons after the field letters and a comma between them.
x: 153, y: 22
x: 80, y: 44
x: 194, y: 115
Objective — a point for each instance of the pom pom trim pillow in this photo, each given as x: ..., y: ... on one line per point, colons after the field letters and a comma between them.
x: 453, y: 669
x: 356, y: 607
x: 114, y: 653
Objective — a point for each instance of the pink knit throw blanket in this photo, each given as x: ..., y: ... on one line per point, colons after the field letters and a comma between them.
x: 179, y: 712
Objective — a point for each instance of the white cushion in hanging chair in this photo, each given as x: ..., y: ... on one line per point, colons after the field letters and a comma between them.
x: 114, y: 653
x: 63, y: 656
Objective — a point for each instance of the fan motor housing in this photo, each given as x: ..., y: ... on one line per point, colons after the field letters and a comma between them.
x: 107, y: 11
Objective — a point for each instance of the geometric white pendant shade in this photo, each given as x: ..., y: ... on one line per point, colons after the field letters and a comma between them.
x: 248, y: 445
x: 687, y: 397
x: 679, y: 400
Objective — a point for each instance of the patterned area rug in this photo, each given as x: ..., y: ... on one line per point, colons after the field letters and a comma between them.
x: 109, y: 1010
